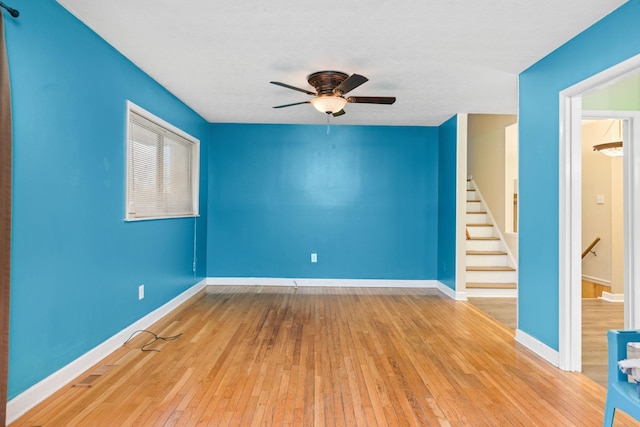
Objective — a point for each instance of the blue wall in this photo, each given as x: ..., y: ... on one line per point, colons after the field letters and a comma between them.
x: 365, y: 199
x: 76, y: 265
x: 608, y: 42
x: 373, y: 202
x: 447, y: 216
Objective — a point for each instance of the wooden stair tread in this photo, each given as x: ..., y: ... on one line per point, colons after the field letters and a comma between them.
x: 477, y: 285
x: 479, y: 225
x: 490, y: 268
x: 483, y: 238
x: 486, y: 253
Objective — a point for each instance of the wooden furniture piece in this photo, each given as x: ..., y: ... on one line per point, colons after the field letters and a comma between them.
x: 621, y: 394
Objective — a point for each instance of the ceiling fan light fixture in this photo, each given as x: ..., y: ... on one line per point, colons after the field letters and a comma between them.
x: 331, y: 86
x: 329, y: 103
x: 611, y: 149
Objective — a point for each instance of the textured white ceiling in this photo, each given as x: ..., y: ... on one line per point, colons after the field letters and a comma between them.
x: 438, y: 57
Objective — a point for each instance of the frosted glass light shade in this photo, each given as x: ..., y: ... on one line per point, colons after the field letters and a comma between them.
x: 329, y: 104
x: 611, y: 149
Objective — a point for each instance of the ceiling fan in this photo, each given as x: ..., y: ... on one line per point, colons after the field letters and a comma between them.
x: 330, y: 87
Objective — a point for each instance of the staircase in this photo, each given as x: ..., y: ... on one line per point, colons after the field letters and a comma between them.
x: 491, y: 271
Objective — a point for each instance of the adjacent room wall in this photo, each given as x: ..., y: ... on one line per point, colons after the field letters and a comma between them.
x: 602, y: 204
x: 363, y: 198
x: 76, y: 265
x: 622, y: 96
x: 608, y: 42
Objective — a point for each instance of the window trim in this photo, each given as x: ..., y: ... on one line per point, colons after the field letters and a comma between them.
x: 195, y: 164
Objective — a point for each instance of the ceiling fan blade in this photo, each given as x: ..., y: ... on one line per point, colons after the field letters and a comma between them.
x: 339, y: 113
x: 350, y: 83
x: 387, y: 100
x: 294, y: 88
x: 291, y: 105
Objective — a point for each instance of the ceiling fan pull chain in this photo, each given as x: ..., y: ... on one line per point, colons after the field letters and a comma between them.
x: 328, y: 125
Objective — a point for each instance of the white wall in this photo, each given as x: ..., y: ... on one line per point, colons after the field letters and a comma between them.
x: 511, y: 187
x: 602, y: 206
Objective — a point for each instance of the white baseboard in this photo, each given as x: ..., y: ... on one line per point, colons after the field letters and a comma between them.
x: 35, y: 394
x: 538, y: 347
x: 339, y: 283
x: 334, y: 283
x: 455, y: 295
x: 608, y: 296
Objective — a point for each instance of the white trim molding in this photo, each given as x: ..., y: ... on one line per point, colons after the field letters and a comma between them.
x: 461, y: 207
x: 337, y: 283
x: 455, y: 295
x: 35, y: 394
x: 538, y: 347
x: 596, y: 280
x: 570, y: 218
x: 330, y: 283
x: 608, y: 296
x: 569, y: 234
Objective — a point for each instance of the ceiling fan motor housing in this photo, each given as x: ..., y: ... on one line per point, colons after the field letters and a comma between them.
x: 326, y: 81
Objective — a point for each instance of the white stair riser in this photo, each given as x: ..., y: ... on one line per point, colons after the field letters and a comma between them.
x: 483, y: 245
x: 492, y: 293
x: 486, y: 260
x: 480, y: 231
x: 476, y: 218
x: 474, y: 207
x: 492, y: 276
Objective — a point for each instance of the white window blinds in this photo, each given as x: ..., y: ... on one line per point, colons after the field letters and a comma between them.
x: 162, y: 178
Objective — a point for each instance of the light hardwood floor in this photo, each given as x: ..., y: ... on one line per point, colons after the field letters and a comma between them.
x: 598, y: 316
x: 504, y: 310
x: 323, y: 357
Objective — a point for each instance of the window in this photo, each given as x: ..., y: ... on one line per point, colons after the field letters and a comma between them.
x: 162, y: 168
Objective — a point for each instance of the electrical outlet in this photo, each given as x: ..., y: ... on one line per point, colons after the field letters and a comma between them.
x: 140, y: 292
x: 314, y: 257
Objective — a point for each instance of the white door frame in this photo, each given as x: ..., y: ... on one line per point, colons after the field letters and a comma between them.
x: 570, y: 208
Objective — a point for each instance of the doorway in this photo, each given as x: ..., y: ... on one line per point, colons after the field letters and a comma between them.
x: 491, y: 241
x: 570, y: 203
x: 602, y: 236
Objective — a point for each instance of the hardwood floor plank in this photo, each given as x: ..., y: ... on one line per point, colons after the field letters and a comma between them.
x: 598, y: 316
x: 269, y: 356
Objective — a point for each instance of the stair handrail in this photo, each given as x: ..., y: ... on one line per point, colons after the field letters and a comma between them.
x: 590, y: 248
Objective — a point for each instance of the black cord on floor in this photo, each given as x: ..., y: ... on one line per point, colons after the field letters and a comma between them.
x: 156, y: 338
